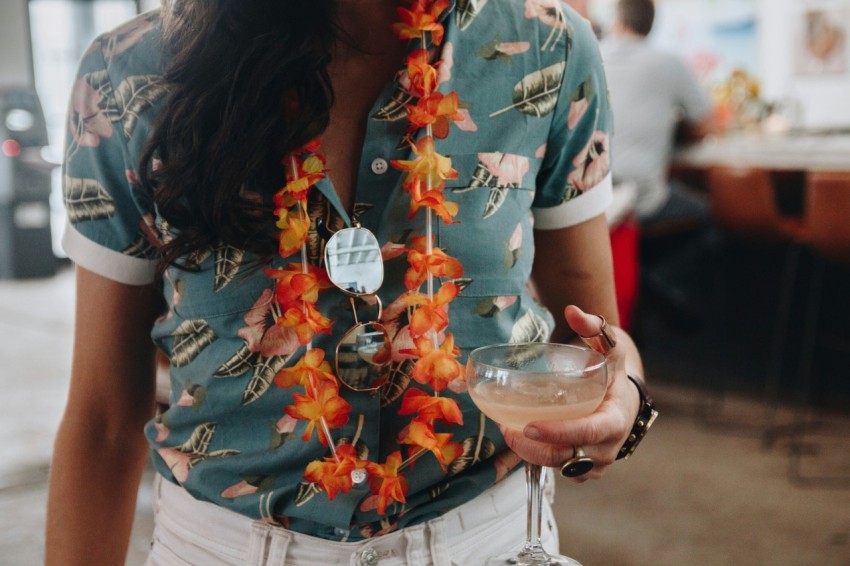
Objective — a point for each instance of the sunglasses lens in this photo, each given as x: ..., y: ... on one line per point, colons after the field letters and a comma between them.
x: 353, y: 261
x: 363, y: 355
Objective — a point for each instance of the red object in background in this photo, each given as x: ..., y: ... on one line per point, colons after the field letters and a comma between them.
x: 624, y: 249
x: 10, y: 148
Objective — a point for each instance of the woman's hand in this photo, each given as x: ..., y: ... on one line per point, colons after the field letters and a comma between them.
x: 551, y: 443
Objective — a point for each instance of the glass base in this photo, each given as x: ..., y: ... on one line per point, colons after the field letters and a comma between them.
x: 531, y: 559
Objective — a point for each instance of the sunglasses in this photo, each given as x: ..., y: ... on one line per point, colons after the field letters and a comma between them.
x: 354, y: 265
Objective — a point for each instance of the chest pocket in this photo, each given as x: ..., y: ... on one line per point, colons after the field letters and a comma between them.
x: 217, y: 282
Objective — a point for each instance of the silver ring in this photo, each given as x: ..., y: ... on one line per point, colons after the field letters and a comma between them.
x: 578, y: 465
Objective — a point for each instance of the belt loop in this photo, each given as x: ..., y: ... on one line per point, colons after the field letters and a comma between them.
x: 258, y: 543
x: 416, y: 550
x: 278, y: 547
x: 438, y: 542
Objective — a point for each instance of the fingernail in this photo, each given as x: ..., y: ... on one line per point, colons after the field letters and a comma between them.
x: 532, y: 433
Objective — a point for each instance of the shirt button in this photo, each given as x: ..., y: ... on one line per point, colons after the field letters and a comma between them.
x: 379, y: 166
x: 368, y: 557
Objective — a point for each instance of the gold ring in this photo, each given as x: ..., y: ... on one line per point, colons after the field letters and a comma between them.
x: 603, y: 342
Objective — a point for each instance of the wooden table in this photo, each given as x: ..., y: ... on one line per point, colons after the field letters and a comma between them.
x: 788, y: 157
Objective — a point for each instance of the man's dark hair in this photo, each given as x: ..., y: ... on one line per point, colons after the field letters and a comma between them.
x: 637, y: 15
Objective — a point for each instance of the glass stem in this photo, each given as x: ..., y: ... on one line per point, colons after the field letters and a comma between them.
x: 535, y: 503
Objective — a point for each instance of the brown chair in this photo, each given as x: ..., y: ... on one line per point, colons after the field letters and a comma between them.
x: 825, y: 232
x: 743, y: 203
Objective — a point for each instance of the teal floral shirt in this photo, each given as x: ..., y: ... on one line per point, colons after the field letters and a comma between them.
x: 532, y: 153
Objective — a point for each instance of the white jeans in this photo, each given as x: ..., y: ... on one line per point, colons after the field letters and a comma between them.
x: 192, y: 532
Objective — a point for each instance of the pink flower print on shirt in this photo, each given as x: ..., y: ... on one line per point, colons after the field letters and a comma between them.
x: 592, y: 164
x: 577, y: 110
x: 262, y: 334
x: 86, y: 120
x: 509, y: 169
x: 444, y: 71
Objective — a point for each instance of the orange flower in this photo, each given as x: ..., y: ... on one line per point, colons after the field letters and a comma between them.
x: 436, y: 110
x: 386, y: 482
x: 422, y: 435
x: 423, y: 77
x: 433, y: 199
x: 306, y: 319
x: 293, y: 225
x: 438, y: 263
x: 429, y: 408
x: 295, y: 285
x: 310, y: 370
x: 307, y: 173
x: 421, y: 17
x: 323, y: 402
x: 436, y: 366
x: 430, y: 315
x: 334, y: 474
x: 429, y: 166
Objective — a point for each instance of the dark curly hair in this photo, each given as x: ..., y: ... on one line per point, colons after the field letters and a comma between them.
x: 248, y: 83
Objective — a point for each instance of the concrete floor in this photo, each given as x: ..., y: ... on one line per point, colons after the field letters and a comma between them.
x: 696, y: 492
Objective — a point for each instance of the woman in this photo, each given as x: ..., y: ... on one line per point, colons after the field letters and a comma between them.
x: 194, y: 182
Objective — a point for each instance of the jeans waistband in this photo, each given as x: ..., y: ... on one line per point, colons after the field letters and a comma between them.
x: 189, y: 531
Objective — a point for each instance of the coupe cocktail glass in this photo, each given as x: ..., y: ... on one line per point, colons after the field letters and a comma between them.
x: 515, y: 384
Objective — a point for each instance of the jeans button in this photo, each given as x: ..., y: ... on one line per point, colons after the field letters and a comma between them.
x: 368, y: 557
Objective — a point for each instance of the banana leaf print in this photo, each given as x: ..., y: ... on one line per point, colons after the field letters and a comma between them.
x: 196, y: 258
x: 190, y: 338
x: 239, y: 363
x: 466, y: 12
x: 394, y: 109
x: 181, y: 459
x: 265, y: 368
x: 86, y: 199
x: 530, y: 328
x: 324, y: 221
x: 439, y: 489
x: 228, y: 260
x: 397, y: 383
x: 537, y: 93
x: 264, y: 371
x: 462, y: 282
x: 250, y: 484
x: 132, y: 97
x: 489, y: 307
x: 475, y: 449
x: 140, y: 247
x: 306, y: 492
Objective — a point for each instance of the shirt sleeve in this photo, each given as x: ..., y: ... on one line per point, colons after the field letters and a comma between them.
x: 109, y: 226
x: 574, y: 183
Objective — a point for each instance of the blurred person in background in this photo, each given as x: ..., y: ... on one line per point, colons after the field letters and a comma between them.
x: 655, y: 98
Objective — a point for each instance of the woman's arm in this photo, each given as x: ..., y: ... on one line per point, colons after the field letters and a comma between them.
x: 100, y: 448
x: 573, y: 266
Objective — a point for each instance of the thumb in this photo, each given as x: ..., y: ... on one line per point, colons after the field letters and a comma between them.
x: 591, y: 328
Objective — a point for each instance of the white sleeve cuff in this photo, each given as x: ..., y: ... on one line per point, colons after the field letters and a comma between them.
x: 108, y: 263
x: 593, y: 202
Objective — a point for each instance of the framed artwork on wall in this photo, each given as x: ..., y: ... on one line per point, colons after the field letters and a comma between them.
x: 822, y: 40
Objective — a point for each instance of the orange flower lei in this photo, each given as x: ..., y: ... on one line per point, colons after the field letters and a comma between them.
x: 297, y: 289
